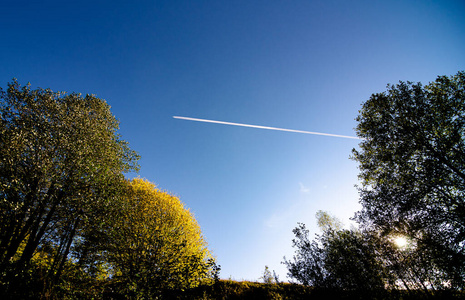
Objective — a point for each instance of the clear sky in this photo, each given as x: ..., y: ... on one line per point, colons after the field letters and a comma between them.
x: 304, y: 65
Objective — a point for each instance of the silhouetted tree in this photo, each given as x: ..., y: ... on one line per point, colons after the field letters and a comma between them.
x: 308, y: 266
x: 412, y: 168
x: 338, y: 259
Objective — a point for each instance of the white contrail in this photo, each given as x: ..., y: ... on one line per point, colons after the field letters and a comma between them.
x: 266, y: 127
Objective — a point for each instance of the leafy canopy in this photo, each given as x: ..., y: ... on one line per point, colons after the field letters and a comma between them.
x: 71, y: 224
x: 61, y: 165
x: 339, y: 259
x: 157, y: 243
x: 412, y: 168
x: 412, y: 171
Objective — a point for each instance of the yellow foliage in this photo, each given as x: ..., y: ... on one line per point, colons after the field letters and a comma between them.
x: 159, y: 239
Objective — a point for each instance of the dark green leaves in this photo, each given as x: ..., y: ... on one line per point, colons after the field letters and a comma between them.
x: 412, y: 167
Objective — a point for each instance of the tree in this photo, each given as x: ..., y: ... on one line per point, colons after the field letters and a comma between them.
x: 308, y: 266
x: 412, y: 167
x: 353, y: 262
x: 339, y: 259
x: 327, y: 222
x: 156, y: 244
x: 61, y: 166
x: 269, y: 278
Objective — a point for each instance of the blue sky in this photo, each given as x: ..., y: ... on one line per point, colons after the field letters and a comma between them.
x: 305, y: 65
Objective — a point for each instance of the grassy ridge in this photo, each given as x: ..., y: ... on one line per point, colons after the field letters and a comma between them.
x: 239, y: 290
x: 230, y: 290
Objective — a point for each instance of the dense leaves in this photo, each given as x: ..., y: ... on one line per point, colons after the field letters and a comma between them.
x: 339, y: 259
x: 71, y: 225
x: 61, y: 161
x: 156, y: 244
x: 412, y: 163
x: 412, y: 168
x: 308, y: 265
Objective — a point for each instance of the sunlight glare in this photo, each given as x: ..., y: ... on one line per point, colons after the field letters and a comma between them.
x: 400, y: 241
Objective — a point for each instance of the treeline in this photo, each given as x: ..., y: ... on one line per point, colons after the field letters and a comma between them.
x: 73, y: 227
x: 412, y: 225
x: 71, y: 224
x: 246, y: 290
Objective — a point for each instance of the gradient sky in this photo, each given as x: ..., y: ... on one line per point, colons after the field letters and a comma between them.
x: 304, y: 65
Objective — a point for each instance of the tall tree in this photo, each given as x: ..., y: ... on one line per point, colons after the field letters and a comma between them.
x: 412, y: 167
x: 61, y: 164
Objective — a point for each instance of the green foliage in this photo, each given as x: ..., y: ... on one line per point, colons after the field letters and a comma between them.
x: 352, y: 262
x: 231, y: 290
x: 307, y: 266
x: 412, y: 162
x: 412, y: 167
x: 344, y: 260
x: 327, y: 222
x: 362, y: 265
x: 268, y: 277
x: 71, y: 225
x: 61, y: 163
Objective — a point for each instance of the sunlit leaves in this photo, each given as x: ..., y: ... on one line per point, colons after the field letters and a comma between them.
x: 61, y: 165
x: 69, y: 215
x: 327, y: 222
x: 157, y: 243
